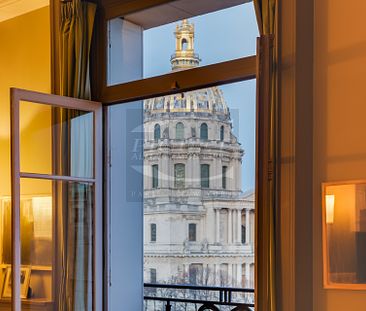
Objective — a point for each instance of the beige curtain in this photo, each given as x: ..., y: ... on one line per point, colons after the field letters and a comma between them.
x: 74, y: 158
x: 77, y: 20
x: 266, y: 288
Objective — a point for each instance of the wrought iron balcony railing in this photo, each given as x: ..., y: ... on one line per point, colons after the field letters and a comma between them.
x: 198, y: 298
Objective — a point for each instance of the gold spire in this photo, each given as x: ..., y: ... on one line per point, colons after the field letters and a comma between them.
x: 184, y: 56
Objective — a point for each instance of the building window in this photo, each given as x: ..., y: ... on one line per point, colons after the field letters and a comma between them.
x: 224, y: 171
x: 152, y: 232
x: 204, y: 131
x: 222, y: 133
x: 224, y: 274
x: 179, y: 131
x: 205, y: 175
x: 153, y: 276
x: 179, y: 175
x: 243, y: 234
x: 195, y: 274
x: 155, y: 176
x: 156, y: 132
x: 192, y: 232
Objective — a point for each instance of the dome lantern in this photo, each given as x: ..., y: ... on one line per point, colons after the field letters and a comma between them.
x: 184, y: 56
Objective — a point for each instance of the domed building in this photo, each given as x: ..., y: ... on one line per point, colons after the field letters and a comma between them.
x: 199, y: 226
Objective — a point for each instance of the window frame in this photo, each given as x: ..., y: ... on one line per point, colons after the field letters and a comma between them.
x: 176, y: 181
x: 157, y: 130
x: 153, y: 272
x: 153, y: 233
x: 224, y: 169
x: 202, y: 165
x: 193, y: 225
x: 226, y: 72
x: 155, y: 179
x: 204, y: 127
x: 243, y: 236
x: 179, y: 128
x: 222, y: 133
x: 257, y: 66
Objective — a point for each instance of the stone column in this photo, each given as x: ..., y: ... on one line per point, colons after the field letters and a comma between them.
x: 235, y: 238
x: 239, y: 275
x: 196, y: 171
x: 164, y: 171
x: 247, y: 275
x: 231, y: 176
x: 253, y: 227
x: 189, y: 171
x: 217, y: 275
x: 238, y: 225
x: 214, y: 173
x: 248, y: 237
x: 217, y: 225
x: 186, y: 272
x: 230, y: 227
x: 238, y: 174
x: 147, y: 175
x: 211, y: 274
x: 230, y: 274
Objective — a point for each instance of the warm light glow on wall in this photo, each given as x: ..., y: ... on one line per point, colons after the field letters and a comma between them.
x: 329, y: 208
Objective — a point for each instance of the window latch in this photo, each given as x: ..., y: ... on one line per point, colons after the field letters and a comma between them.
x: 175, y: 85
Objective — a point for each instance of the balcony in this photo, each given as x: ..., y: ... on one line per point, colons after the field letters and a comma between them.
x: 165, y: 297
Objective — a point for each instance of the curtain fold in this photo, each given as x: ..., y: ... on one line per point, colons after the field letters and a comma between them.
x: 73, y: 156
x: 266, y: 12
x: 77, y: 21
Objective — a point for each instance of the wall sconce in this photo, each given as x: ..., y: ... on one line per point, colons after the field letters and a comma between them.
x: 329, y: 208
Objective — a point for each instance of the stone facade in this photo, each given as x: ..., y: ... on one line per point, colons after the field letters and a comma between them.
x: 199, y: 226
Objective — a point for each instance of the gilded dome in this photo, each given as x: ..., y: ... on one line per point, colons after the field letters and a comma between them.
x: 209, y: 100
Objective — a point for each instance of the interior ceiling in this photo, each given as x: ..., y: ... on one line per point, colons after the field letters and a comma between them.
x: 13, y: 8
x: 177, y: 10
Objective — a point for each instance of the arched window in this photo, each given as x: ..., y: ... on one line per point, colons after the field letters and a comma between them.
x: 222, y: 133
x: 156, y: 132
x: 179, y: 175
x: 179, y: 131
x: 204, y: 131
x: 184, y: 44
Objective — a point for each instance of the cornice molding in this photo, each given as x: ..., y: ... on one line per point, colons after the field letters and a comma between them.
x: 13, y: 8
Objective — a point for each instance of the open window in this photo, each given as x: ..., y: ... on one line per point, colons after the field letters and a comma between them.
x: 160, y: 68
x: 51, y: 231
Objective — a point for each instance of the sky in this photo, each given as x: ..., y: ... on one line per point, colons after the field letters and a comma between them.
x: 219, y: 36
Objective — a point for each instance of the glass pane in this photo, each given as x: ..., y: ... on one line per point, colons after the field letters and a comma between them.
x: 203, y: 210
x: 125, y: 139
x: 345, y: 224
x: 56, y: 273
x: 42, y: 150
x: 180, y: 35
x: 179, y: 175
x: 5, y: 250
